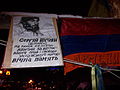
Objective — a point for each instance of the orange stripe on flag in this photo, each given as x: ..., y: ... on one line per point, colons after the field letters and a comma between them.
x: 111, y: 58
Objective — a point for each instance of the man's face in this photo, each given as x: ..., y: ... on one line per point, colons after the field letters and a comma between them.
x: 32, y: 25
x: 33, y: 22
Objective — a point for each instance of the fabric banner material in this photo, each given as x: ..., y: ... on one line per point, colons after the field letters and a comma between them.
x: 91, y: 40
x: 35, y: 43
x: 99, y: 78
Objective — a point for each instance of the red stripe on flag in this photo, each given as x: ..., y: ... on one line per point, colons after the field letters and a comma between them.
x: 78, y: 26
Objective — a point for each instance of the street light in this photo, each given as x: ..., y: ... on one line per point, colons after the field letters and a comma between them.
x: 30, y: 81
x: 7, y: 72
x: 1, y: 72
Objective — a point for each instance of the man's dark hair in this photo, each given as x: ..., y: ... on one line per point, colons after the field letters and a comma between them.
x: 27, y: 26
x: 25, y: 19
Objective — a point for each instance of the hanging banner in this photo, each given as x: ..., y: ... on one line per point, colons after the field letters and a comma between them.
x: 91, y: 40
x: 34, y: 43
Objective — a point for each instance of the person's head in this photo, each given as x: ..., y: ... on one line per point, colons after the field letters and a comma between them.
x: 30, y: 23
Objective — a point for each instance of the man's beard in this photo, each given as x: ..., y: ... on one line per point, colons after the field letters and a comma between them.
x: 33, y: 28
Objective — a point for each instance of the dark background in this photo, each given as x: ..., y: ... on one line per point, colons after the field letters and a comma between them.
x: 51, y: 73
x: 81, y: 10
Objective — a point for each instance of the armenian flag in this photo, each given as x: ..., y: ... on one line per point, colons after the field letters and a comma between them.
x: 91, y: 40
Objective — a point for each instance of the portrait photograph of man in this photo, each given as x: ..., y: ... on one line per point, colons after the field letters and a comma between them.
x: 33, y: 26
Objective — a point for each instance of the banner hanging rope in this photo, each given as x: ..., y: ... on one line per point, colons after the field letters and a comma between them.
x: 93, y: 78
x: 77, y: 63
x: 99, y: 78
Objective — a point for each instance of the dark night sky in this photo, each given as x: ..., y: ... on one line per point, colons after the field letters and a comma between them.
x: 82, y: 10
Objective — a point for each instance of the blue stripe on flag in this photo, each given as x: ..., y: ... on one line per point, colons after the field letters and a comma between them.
x: 90, y: 43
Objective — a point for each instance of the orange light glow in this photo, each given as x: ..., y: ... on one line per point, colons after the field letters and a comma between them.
x: 7, y: 72
x: 1, y: 72
x: 31, y: 81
